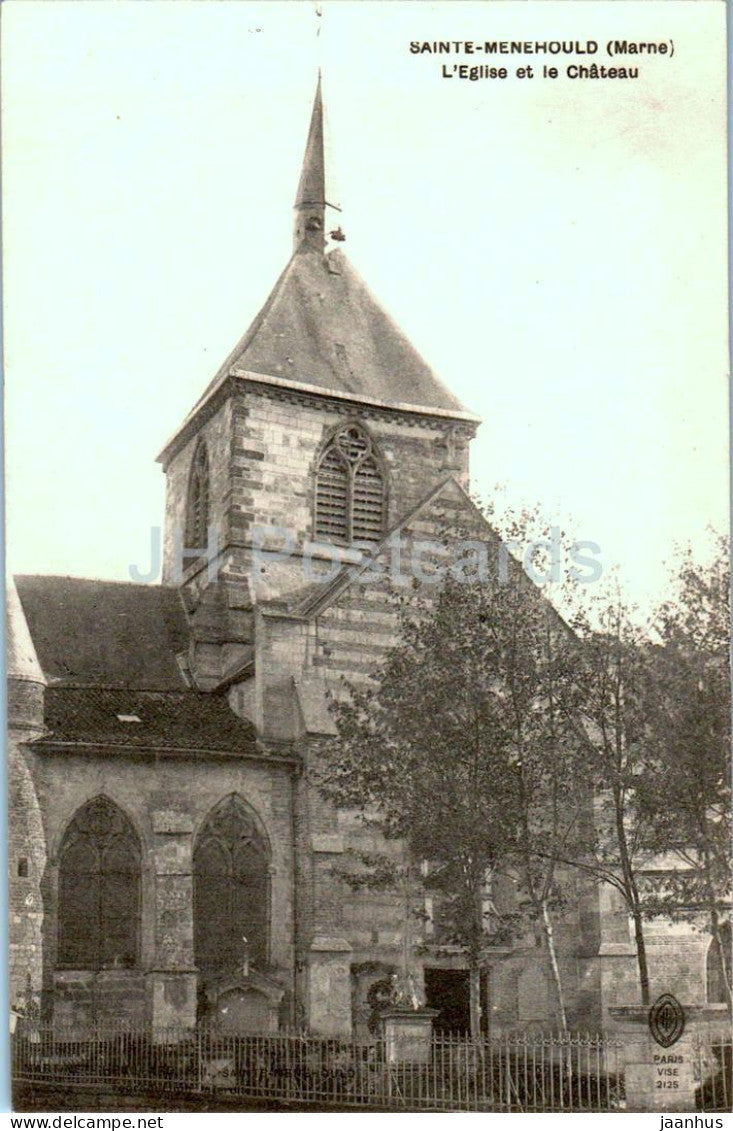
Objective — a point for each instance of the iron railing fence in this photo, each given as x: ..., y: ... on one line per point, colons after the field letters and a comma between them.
x: 530, y: 1073
x: 713, y: 1067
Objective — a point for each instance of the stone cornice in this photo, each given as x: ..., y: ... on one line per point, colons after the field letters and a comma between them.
x: 110, y: 749
x: 296, y: 392
x: 337, y: 395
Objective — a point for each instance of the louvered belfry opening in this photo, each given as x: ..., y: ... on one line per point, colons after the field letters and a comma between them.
x: 198, y: 501
x: 349, y: 490
x: 332, y: 497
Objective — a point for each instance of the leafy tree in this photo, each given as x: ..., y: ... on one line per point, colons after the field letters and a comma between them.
x: 554, y: 786
x: 494, y: 739
x: 687, y: 790
x: 458, y: 749
x: 606, y: 707
x: 426, y: 751
x: 554, y: 810
x: 654, y: 719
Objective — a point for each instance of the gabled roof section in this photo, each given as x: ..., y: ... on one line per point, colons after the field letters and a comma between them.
x: 105, y: 633
x: 313, y: 599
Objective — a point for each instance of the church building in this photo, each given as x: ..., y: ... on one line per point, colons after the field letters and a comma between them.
x: 170, y: 858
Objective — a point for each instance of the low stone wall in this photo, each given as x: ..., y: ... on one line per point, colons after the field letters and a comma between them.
x: 86, y: 999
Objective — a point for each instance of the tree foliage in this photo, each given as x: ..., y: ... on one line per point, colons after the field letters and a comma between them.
x: 607, y: 709
x: 459, y: 750
x: 494, y: 741
x: 686, y: 791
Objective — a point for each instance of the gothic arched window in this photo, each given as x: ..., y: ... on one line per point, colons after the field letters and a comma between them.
x: 197, y: 518
x: 230, y: 891
x: 99, y: 889
x: 350, y: 494
x: 716, y: 992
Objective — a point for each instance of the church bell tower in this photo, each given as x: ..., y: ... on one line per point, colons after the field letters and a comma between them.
x: 322, y: 429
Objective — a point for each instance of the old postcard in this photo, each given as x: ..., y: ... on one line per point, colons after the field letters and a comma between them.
x: 367, y: 573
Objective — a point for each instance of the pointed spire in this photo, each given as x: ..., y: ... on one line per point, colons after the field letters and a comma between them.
x: 315, y: 192
x: 312, y: 185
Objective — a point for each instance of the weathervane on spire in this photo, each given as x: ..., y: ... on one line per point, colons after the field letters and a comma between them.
x: 318, y: 12
x: 316, y: 199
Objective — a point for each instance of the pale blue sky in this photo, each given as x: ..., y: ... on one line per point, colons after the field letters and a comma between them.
x: 556, y: 250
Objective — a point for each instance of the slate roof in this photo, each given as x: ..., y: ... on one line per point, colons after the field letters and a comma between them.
x: 185, y: 720
x: 105, y: 633
x: 326, y: 329
x: 322, y: 330
x: 108, y: 649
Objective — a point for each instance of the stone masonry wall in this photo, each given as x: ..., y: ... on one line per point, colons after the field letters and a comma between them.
x: 26, y: 846
x: 676, y: 956
x: 167, y: 801
x: 263, y: 447
x: 216, y: 433
x: 276, y: 442
x: 348, y: 639
x: 26, y: 866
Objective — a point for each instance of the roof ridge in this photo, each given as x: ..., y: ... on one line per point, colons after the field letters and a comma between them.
x: 224, y: 369
x: 95, y: 580
x: 60, y: 685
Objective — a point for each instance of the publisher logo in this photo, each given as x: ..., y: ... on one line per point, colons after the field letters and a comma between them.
x: 666, y: 1020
